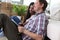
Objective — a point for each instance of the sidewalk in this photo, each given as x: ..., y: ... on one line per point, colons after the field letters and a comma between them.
x: 3, y: 38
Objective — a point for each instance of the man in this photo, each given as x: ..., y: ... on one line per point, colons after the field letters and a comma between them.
x: 35, y: 28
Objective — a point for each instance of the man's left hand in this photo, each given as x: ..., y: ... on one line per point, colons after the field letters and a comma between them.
x: 21, y: 29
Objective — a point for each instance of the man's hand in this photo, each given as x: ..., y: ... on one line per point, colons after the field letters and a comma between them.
x: 21, y: 29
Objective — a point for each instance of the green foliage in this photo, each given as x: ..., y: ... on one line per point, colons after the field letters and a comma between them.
x: 19, y: 9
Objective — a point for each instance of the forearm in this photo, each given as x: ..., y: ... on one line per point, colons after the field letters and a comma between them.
x: 33, y: 35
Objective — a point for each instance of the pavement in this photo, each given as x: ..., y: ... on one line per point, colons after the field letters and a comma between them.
x: 3, y: 38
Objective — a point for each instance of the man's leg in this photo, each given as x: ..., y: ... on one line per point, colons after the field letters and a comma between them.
x: 9, y: 28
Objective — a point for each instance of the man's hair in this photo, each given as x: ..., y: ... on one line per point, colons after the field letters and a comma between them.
x: 45, y: 4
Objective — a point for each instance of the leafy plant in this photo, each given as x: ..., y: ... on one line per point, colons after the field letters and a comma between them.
x: 19, y: 9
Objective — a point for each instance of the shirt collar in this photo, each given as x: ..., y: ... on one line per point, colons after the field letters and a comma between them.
x: 39, y: 13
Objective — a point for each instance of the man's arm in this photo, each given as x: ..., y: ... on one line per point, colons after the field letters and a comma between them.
x: 31, y: 34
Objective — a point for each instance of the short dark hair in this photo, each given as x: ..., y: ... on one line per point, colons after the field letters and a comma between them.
x: 45, y: 4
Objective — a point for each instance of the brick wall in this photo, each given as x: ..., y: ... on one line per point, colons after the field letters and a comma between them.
x: 6, y: 8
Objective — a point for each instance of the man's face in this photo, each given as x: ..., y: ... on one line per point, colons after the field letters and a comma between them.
x: 37, y: 5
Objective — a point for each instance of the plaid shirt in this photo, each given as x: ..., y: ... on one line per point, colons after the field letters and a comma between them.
x: 36, y: 24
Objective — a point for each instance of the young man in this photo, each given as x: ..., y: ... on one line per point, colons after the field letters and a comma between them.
x: 35, y: 28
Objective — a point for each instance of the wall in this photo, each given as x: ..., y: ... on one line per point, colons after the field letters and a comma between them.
x: 6, y: 8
